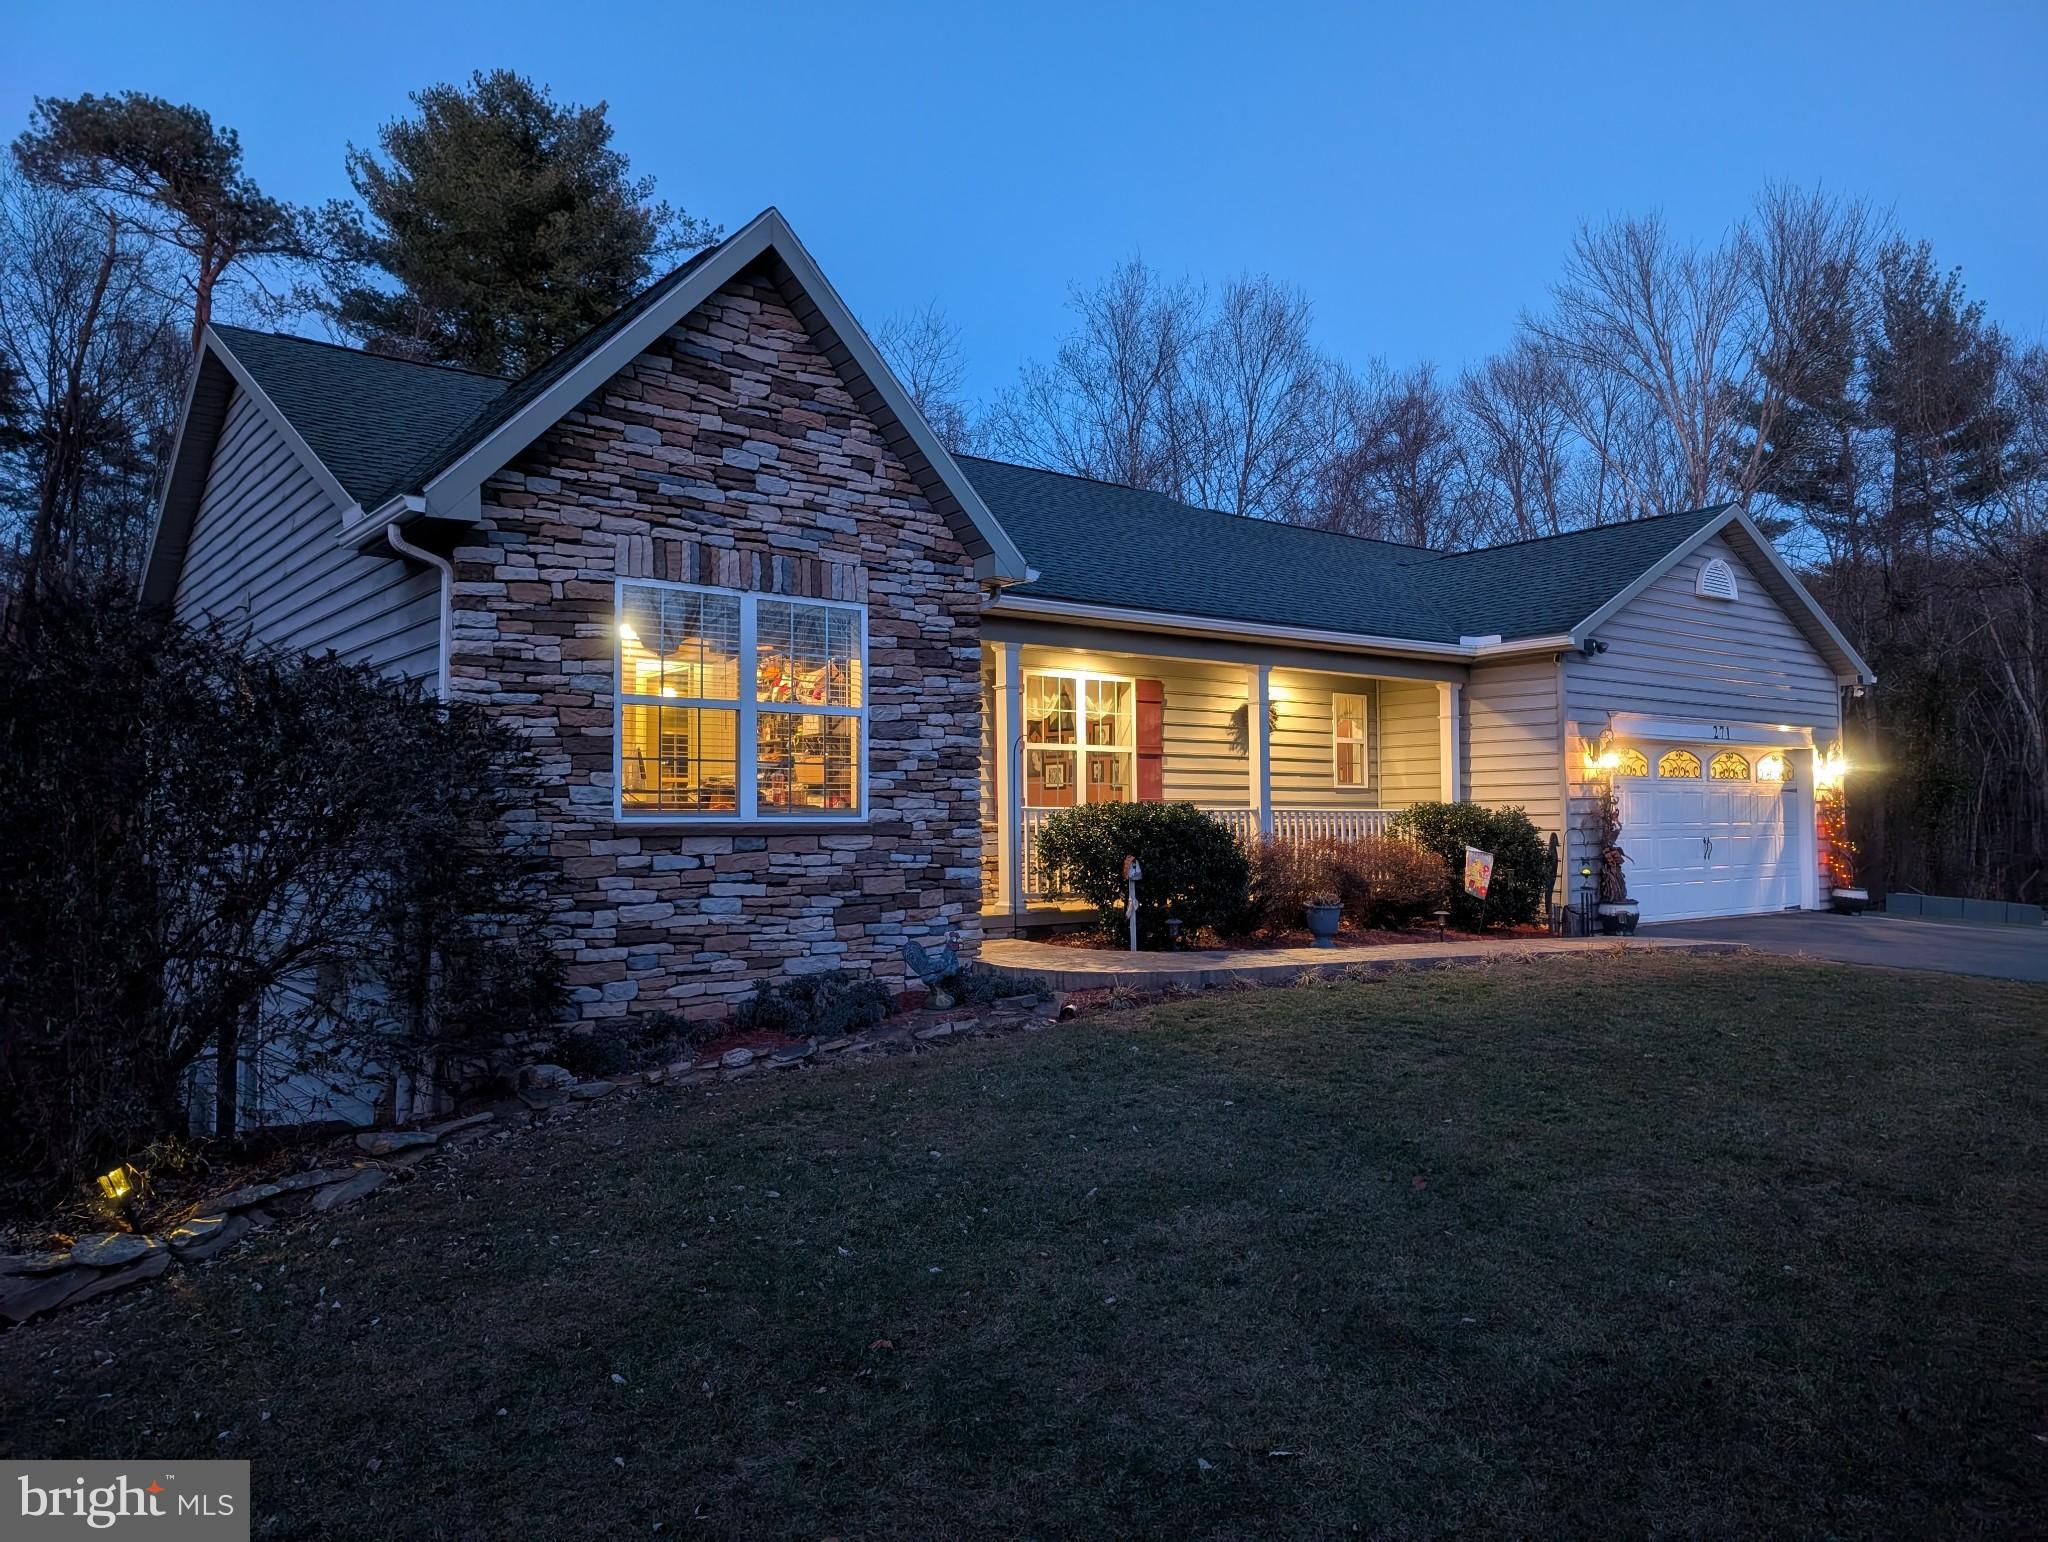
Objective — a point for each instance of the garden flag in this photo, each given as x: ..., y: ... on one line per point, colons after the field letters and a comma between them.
x: 1478, y: 871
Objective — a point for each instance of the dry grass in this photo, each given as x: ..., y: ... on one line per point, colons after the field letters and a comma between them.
x: 1614, y: 1245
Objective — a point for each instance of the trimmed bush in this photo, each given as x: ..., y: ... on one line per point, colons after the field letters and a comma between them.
x: 1521, y: 861
x: 1195, y: 871
x: 1380, y: 882
x: 823, y: 1005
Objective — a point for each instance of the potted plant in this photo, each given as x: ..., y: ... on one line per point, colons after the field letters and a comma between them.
x: 1618, y: 913
x: 1325, y: 915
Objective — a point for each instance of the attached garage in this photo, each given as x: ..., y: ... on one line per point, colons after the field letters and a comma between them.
x: 1717, y: 830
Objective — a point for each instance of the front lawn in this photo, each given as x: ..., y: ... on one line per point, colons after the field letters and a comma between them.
x: 1626, y: 1245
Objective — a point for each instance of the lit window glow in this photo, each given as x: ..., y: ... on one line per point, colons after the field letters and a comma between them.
x: 696, y: 739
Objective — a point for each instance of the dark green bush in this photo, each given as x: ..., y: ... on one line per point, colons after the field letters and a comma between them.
x: 1195, y: 871
x: 1521, y: 861
x: 977, y: 985
x: 593, y: 1052
x: 823, y: 1005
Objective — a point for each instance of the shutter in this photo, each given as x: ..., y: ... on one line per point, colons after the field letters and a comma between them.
x: 1151, y: 741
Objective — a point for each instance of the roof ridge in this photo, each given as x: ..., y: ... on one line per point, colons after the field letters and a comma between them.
x: 363, y: 353
x: 1566, y: 535
x: 1201, y: 508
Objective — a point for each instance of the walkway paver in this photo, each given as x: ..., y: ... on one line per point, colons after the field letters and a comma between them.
x: 1079, y: 969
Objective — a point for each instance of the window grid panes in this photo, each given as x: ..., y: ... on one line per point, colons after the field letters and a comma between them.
x: 1728, y: 767
x: 1347, y: 739
x: 690, y: 743
x: 1678, y: 763
x: 1080, y: 732
x: 1632, y: 762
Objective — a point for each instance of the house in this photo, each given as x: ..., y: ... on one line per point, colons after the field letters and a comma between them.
x: 804, y: 686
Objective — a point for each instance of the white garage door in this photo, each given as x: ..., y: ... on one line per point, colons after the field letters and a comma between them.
x: 1706, y: 846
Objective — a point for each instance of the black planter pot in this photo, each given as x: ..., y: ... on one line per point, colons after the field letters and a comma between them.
x: 1849, y: 902
x: 1618, y: 918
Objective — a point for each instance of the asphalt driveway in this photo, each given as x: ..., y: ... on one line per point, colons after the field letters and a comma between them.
x: 1898, y: 942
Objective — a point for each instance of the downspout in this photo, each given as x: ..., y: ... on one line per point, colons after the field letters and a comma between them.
x: 405, y: 548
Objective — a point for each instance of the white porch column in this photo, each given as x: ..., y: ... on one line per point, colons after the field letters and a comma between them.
x: 1449, y: 741
x: 1258, y: 696
x: 1007, y: 735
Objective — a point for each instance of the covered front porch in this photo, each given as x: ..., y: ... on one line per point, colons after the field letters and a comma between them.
x: 1272, y: 742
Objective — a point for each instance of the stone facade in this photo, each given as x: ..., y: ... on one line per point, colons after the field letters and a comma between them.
x: 730, y: 453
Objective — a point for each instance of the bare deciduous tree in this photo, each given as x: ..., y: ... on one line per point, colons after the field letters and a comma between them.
x: 1110, y: 404
x: 922, y: 348
x: 94, y: 353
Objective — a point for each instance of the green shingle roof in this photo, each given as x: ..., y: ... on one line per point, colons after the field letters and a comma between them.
x: 1100, y: 544
x: 370, y: 419
x: 1551, y: 584
x: 386, y: 426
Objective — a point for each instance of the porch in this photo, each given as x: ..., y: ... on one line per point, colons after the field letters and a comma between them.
x: 1268, y: 746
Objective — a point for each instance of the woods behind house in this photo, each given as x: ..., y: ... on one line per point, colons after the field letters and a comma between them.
x: 1814, y: 365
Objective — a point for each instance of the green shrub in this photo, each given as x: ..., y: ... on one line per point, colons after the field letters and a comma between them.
x: 1380, y: 882
x: 823, y: 1005
x: 593, y: 1052
x: 1521, y: 861
x: 978, y: 985
x: 1195, y: 872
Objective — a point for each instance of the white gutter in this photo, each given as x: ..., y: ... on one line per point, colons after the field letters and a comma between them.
x: 1320, y: 637
x: 446, y: 631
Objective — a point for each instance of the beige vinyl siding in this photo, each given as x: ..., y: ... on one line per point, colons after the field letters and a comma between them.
x: 1203, y: 765
x: 1514, y: 741
x: 1672, y: 653
x: 1200, y: 766
x: 263, y: 555
x: 1410, y: 756
x: 1303, y: 763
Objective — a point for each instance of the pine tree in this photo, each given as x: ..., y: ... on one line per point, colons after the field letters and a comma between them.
x: 497, y: 226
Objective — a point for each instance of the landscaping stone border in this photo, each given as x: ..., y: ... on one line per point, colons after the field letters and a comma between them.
x: 32, y: 1284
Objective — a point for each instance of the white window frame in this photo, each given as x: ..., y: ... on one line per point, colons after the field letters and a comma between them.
x: 1081, y: 748
x: 1363, y: 741
x: 747, y: 748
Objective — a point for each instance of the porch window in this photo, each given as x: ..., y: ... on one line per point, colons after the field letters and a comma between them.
x: 1079, y: 739
x: 737, y: 705
x: 1347, y: 739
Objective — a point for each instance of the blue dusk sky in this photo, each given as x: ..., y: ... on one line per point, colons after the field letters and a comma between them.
x: 1418, y: 170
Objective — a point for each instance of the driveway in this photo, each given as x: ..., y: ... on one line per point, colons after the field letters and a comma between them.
x: 1898, y: 942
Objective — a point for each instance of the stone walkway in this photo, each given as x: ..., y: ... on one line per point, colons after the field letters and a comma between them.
x: 1081, y: 969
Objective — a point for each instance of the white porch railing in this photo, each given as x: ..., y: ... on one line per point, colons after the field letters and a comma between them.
x: 1289, y: 824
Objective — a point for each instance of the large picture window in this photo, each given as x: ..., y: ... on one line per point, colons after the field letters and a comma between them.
x: 739, y: 706
x: 1080, y: 734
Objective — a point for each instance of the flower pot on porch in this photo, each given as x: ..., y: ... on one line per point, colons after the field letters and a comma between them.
x: 1618, y: 917
x: 1323, y: 921
x: 1848, y: 901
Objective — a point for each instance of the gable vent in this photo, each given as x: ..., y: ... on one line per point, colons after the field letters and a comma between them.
x: 1717, y: 579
